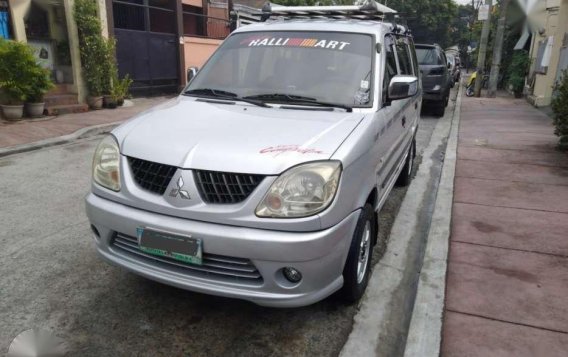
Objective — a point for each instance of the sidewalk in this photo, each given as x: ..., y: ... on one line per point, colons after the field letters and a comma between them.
x: 507, y: 280
x: 29, y: 131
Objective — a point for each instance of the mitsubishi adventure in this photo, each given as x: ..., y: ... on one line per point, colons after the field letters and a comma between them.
x: 263, y: 179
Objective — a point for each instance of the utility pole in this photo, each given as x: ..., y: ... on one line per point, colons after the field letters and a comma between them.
x: 482, y: 50
x: 498, y: 49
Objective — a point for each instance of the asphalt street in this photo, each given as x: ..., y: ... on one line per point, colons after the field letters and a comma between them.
x: 51, y: 278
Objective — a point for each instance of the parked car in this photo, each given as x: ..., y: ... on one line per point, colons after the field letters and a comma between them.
x: 263, y: 179
x: 436, y: 78
x: 453, y: 67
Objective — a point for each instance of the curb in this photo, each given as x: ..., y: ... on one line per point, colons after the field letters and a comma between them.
x: 381, y: 324
x: 65, y: 139
x: 425, y: 333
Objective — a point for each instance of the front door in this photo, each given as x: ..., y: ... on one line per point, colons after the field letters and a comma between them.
x: 147, y: 46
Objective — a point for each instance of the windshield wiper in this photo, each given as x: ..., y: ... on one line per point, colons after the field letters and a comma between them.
x: 222, y: 94
x: 297, y: 99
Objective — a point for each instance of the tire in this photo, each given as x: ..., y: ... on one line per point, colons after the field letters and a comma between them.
x: 447, y: 100
x: 469, y: 91
x: 440, y: 108
x: 358, y: 266
x: 406, y: 174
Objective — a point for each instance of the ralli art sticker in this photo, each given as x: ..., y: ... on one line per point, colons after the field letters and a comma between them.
x: 295, y: 42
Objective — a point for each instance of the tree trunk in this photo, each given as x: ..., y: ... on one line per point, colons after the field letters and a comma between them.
x: 498, y: 50
x: 482, y: 51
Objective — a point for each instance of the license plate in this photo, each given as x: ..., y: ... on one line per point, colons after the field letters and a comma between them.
x: 169, y: 245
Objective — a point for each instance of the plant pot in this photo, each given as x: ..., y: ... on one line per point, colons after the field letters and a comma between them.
x: 35, y: 110
x: 13, y: 112
x: 109, y: 102
x: 120, y: 102
x: 95, y: 102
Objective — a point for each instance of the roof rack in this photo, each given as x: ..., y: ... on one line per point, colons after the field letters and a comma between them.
x: 371, y: 10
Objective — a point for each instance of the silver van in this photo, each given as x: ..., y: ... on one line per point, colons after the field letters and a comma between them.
x: 262, y: 180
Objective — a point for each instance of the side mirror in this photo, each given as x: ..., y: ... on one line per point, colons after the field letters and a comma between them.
x: 402, y: 87
x: 191, y: 72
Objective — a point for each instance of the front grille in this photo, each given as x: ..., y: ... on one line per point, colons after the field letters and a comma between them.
x: 218, y: 267
x: 151, y: 176
x: 225, y: 187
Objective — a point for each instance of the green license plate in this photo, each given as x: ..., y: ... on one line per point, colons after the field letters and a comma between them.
x: 169, y: 245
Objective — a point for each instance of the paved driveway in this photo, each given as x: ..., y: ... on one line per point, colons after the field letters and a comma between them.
x: 51, y: 278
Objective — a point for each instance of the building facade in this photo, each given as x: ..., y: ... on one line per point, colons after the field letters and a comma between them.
x: 548, y: 49
x: 156, y: 40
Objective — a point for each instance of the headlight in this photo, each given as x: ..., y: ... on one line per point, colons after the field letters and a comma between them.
x: 301, y: 191
x: 106, y: 164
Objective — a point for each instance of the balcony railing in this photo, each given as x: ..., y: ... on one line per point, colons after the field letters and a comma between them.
x: 199, y: 25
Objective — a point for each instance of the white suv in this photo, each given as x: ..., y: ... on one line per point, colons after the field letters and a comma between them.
x: 263, y: 179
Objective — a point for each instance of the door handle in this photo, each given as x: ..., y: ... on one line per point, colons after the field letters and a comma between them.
x: 415, y: 105
x: 404, y: 122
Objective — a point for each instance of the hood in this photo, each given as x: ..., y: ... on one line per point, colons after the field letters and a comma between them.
x: 194, y: 134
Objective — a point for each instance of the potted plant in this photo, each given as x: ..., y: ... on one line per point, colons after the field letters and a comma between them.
x: 40, y: 84
x: 16, y: 60
x: 122, y: 86
x: 93, y: 48
x: 110, y: 101
x: 93, y: 70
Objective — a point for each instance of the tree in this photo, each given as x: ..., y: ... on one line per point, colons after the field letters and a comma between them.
x: 431, y: 21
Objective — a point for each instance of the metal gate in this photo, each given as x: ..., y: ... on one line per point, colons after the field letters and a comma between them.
x: 147, y: 48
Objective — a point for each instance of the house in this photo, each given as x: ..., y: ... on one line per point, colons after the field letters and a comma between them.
x: 159, y: 40
x: 548, y: 24
x: 48, y: 27
x: 156, y: 40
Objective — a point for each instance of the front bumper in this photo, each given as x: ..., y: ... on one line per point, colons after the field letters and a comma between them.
x: 319, y: 256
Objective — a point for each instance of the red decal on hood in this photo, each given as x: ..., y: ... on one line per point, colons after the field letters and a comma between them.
x: 289, y: 148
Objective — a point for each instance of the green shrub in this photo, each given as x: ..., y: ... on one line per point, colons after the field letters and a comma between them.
x: 518, y: 70
x: 21, y: 77
x: 560, y: 110
x: 121, y: 86
x: 110, y: 68
x: 97, y: 53
x: 88, y: 23
x: 41, y: 84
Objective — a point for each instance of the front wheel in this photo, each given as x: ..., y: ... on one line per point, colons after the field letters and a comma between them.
x: 358, y: 266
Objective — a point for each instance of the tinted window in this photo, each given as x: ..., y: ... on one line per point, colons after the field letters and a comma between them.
x: 390, y: 65
x: 403, y: 54
x: 331, y: 67
x: 429, y: 56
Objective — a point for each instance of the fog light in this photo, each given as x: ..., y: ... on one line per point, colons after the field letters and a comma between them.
x: 292, y: 274
x: 437, y: 87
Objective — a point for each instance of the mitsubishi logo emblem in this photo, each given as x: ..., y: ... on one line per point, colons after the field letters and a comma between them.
x: 178, y: 191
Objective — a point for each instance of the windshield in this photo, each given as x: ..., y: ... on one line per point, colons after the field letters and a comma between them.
x: 429, y: 57
x: 321, y: 66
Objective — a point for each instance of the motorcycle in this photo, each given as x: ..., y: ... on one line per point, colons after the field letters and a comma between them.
x: 470, y: 85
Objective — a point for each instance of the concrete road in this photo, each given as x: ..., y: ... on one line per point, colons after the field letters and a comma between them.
x: 51, y: 278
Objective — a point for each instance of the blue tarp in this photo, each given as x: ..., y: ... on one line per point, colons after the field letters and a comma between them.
x: 4, y: 25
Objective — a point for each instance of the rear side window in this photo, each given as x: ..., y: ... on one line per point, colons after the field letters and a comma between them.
x: 403, y: 53
x: 429, y: 57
